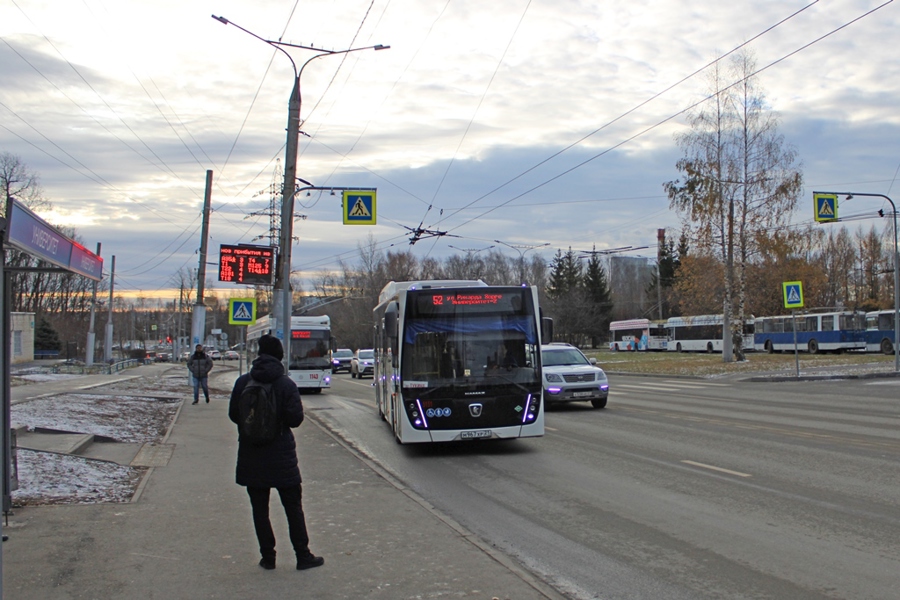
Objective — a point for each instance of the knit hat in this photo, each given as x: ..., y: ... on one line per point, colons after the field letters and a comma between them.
x: 271, y: 345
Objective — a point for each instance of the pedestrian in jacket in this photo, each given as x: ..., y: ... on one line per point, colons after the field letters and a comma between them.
x: 274, y: 465
x: 200, y: 364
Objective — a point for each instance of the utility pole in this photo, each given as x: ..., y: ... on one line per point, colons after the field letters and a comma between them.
x: 91, y: 336
x: 107, y: 346
x: 198, y: 319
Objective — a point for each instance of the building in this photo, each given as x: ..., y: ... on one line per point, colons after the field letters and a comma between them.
x: 21, y: 339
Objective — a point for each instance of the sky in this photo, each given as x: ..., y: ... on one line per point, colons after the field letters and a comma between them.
x: 526, y: 125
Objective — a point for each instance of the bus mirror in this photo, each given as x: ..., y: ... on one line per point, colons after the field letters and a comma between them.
x: 333, y: 343
x: 546, y: 330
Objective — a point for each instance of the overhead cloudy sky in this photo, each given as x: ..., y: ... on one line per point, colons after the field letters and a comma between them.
x: 524, y: 121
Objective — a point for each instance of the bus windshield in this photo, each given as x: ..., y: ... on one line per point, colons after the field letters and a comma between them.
x: 481, y: 338
x: 309, y: 349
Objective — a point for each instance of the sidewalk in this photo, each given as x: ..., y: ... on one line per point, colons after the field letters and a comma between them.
x: 190, y: 535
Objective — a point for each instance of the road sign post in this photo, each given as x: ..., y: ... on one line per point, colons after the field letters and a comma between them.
x: 793, y: 299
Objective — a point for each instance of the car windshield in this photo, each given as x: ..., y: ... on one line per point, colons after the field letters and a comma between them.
x: 343, y: 354
x: 364, y: 354
x: 568, y: 356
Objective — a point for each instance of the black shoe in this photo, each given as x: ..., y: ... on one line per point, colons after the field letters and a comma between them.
x: 310, y: 562
x: 207, y: 400
x: 267, y: 563
x: 194, y: 402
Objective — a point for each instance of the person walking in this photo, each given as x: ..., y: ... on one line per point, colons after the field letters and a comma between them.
x: 273, y: 465
x: 200, y: 364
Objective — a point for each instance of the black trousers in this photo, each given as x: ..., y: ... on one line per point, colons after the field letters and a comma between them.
x: 292, y: 501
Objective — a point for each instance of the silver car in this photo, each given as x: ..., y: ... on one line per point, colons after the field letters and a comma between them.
x: 362, y: 364
x: 569, y: 376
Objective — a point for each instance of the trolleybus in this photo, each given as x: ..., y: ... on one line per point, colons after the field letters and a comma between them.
x: 834, y: 331
x: 459, y: 360
x: 637, y: 334
x: 309, y: 349
x: 880, y: 331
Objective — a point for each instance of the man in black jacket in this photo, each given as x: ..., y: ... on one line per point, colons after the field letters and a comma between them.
x: 274, y: 465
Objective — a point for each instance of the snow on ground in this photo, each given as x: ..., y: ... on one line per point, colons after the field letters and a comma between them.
x: 48, y: 478
x: 122, y: 418
x: 122, y: 413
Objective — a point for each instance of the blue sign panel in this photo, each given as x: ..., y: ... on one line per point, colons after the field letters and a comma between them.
x: 32, y: 235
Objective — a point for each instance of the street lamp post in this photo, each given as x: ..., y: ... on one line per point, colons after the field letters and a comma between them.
x: 282, y: 301
x: 896, y: 267
x: 522, y: 249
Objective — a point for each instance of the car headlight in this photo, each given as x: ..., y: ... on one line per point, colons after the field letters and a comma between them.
x: 554, y: 377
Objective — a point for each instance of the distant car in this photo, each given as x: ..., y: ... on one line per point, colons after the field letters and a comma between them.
x: 340, y: 360
x: 215, y: 355
x: 185, y: 355
x: 569, y: 376
x: 362, y: 364
x: 231, y: 355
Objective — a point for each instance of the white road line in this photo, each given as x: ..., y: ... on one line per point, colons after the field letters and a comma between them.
x: 648, y: 387
x: 550, y: 428
x: 696, y: 384
x: 720, y: 469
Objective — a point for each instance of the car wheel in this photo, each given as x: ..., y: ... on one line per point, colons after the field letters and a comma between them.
x: 599, y: 403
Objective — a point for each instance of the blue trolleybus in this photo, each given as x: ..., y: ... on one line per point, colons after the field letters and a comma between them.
x: 835, y: 331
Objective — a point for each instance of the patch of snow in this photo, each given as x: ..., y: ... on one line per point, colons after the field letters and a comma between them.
x: 48, y: 478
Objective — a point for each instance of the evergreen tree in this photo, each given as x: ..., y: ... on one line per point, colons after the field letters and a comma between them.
x: 565, y: 274
x: 45, y: 337
x: 596, y: 287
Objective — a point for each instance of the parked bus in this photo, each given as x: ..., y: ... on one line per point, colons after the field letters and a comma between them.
x: 458, y: 360
x: 702, y: 333
x: 834, y: 331
x: 309, y: 350
x: 637, y: 334
x: 880, y: 331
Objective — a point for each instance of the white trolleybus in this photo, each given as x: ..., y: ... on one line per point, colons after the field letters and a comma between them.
x: 459, y: 360
x: 637, y: 334
x: 309, y: 350
x: 835, y: 331
x: 702, y: 333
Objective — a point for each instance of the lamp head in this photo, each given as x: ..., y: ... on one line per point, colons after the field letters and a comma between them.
x: 221, y: 20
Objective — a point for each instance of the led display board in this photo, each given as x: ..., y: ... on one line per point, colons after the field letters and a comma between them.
x: 248, y: 265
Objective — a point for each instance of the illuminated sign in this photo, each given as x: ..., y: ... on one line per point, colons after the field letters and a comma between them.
x: 301, y: 335
x: 32, y: 235
x: 466, y: 299
x: 249, y: 265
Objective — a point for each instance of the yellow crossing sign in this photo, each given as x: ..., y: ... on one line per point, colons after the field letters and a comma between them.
x: 242, y: 311
x: 793, y: 294
x: 359, y: 207
x: 826, y: 207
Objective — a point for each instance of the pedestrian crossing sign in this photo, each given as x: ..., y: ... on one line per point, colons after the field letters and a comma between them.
x: 826, y: 207
x: 242, y: 311
x: 359, y: 207
x: 793, y: 294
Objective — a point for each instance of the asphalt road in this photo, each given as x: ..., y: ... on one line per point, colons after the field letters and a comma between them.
x: 679, y: 489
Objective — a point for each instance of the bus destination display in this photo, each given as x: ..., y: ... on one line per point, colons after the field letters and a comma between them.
x: 509, y: 301
x: 250, y: 265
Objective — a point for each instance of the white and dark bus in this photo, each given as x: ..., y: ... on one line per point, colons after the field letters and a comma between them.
x: 309, y: 350
x: 880, y: 331
x: 703, y: 333
x: 459, y: 360
x: 834, y: 331
x: 637, y: 335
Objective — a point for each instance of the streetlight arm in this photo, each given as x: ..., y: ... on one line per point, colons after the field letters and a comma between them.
x: 275, y: 45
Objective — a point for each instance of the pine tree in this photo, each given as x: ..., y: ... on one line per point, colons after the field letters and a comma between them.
x: 45, y: 337
x: 596, y: 287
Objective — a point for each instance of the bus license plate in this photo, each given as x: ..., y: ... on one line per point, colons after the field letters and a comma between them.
x: 471, y: 435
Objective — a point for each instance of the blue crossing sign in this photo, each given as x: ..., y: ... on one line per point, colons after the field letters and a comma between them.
x: 359, y: 207
x: 826, y: 207
x: 793, y: 294
x: 242, y: 311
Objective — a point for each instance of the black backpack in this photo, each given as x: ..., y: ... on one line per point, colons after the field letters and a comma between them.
x: 259, y: 423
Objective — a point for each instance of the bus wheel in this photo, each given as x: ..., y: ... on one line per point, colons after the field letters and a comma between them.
x: 678, y: 346
x: 813, y: 347
x: 887, y: 347
x: 770, y: 347
x: 709, y: 347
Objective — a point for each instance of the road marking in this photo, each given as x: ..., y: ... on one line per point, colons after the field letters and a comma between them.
x: 550, y: 428
x: 720, y: 469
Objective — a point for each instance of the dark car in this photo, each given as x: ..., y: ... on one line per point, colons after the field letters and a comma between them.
x: 340, y: 360
x: 362, y: 364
